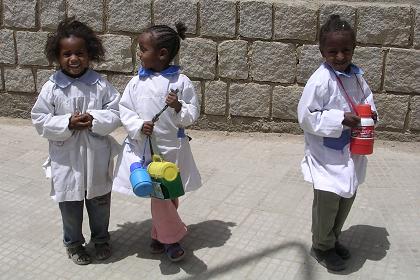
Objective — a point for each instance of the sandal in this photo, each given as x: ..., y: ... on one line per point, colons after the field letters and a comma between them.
x: 156, y: 247
x: 103, y: 251
x: 174, y: 252
x: 79, y: 255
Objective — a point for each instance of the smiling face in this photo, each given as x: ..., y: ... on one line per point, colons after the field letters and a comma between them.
x: 73, y: 57
x: 151, y: 57
x: 338, y: 50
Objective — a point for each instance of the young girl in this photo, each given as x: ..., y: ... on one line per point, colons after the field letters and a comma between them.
x: 145, y: 95
x: 326, y: 114
x: 76, y: 111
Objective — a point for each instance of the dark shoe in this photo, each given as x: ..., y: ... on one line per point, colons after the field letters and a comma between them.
x: 174, y: 252
x: 103, y: 251
x: 79, y: 255
x: 156, y: 247
x: 328, y: 259
x: 342, y: 251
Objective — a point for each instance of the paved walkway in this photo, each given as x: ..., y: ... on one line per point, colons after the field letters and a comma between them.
x: 250, y: 220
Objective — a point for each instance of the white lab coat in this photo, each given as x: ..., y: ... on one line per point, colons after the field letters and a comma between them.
x: 142, y: 99
x: 79, y: 161
x: 320, y: 113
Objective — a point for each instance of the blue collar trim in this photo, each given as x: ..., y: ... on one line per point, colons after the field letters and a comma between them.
x: 62, y: 80
x: 171, y: 70
x: 354, y: 70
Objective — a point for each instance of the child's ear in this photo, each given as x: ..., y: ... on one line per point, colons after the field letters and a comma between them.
x: 163, y: 54
x: 321, y: 51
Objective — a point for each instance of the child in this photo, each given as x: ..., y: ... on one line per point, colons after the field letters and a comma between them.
x: 326, y: 114
x: 145, y: 95
x: 76, y: 111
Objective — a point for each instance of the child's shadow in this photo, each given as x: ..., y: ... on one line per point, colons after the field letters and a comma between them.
x: 365, y: 243
x: 134, y: 239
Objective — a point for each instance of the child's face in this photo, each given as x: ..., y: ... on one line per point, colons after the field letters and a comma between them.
x: 73, y: 57
x: 151, y: 58
x: 338, y: 50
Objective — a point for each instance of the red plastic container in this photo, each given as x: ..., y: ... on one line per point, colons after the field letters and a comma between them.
x: 362, y: 136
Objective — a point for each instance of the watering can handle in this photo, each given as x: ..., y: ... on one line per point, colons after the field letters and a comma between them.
x: 156, y: 158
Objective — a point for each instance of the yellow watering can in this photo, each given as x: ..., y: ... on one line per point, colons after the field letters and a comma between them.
x: 160, y: 169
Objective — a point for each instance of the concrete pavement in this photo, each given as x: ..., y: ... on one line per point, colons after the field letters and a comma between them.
x: 250, y: 220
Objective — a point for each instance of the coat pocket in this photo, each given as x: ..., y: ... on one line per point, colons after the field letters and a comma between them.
x: 338, y: 143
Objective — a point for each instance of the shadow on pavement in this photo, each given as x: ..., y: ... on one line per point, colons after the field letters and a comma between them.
x: 217, y: 272
x: 134, y: 239
x: 365, y: 243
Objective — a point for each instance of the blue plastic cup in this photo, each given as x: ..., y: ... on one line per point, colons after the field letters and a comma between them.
x: 140, y: 180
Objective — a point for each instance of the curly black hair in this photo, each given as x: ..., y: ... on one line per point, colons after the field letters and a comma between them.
x: 71, y: 27
x: 166, y: 37
x: 335, y: 23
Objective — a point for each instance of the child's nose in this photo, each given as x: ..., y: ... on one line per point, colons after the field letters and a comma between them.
x: 340, y: 56
x: 73, y: 57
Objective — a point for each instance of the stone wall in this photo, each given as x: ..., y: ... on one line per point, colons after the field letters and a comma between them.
x: 249, y: 60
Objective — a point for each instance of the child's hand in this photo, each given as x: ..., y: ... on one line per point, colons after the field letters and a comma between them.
x: 80, y: 121
x: 172, y: 101
x: 350, y: 120
x: 374, y: 116
x: 147, y: 128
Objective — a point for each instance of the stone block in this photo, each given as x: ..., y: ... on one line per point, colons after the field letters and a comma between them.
x: 118, y: 56
x: 309, y: 59
x: 392, y: 110
x: 273, y: 62
x: 402, y: 71
x: 7, y: 47
x: 250, y: 100
x: 30, y: 48
x: 384, y: 25
x: 345, y: 12
x: 416, y: 40
x: 197, y: 88
x: 296, y: 21
x: 371, y: 61
x: 19, y: 80
x: 256, y: 19
x: 215, y: 98
x: 19, y: 14
x: 218, y: 18
x: 415, y: 113
x: 16, y: 105
x: 1, y: 79
x: 51, y: 13
x: 42, y: 76
x: 285, y: 102
x: 233, y: 60
x: 119, y: 81
x: 88, y: 11
x: 169, y: 12
x: 127, y: 15
x: 198, y: 58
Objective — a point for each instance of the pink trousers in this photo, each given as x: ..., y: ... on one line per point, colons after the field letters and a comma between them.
x: 167, y: 226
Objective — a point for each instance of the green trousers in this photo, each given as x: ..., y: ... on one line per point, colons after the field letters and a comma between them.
x: 329, y: 212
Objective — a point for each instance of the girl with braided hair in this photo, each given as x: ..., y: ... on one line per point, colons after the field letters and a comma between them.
x: 157, y: 84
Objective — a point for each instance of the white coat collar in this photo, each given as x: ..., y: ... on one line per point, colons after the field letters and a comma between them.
x: 62, y: 80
